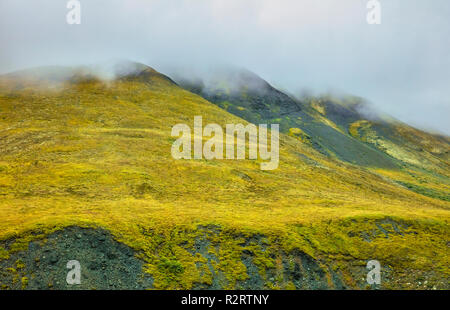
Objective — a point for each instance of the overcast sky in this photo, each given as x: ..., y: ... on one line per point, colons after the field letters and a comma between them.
x: 402, y: 65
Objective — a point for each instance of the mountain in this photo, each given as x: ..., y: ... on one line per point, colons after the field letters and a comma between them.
x: 86, y: 174
x: 347, y: 129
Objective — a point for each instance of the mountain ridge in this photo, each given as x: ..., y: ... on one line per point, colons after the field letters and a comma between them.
x: 347, y: 128
x: 95, y: 154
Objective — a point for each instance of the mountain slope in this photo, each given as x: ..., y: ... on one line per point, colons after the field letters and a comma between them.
x: 423, y: 157
x: 248, y: 96
x: 347, y: 129
x: 96, y: 154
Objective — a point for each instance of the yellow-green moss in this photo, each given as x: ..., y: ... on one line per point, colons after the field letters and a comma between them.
x: 98, y: 155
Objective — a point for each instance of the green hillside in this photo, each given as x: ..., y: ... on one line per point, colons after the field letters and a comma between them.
x: 86, y: 173
x: 345, y: 128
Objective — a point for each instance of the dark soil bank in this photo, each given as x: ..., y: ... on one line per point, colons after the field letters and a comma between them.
x: 105, y: 263
x: 108, y: 264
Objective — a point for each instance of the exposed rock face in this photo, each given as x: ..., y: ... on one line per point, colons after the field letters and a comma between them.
x: 108, y: 264
x: 105, y: 263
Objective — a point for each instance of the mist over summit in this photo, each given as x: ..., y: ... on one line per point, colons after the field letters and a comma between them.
x: 401, y: 65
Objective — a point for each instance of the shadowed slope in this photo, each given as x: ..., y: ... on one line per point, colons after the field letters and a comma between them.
x: 345, y: 128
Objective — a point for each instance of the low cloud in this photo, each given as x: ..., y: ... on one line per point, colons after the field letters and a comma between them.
x: 402, y: 65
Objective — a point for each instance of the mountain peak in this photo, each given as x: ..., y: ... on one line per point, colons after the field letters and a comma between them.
x: 227, y: 79
x: 106, y: 72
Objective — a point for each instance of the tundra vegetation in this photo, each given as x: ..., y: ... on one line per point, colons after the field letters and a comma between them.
x: 79, y: 154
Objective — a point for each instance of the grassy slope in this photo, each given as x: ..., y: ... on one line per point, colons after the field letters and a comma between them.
x: 423, y: 157
x: 339, y: 128
x: 248, y: 96
x: 98, y: 155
